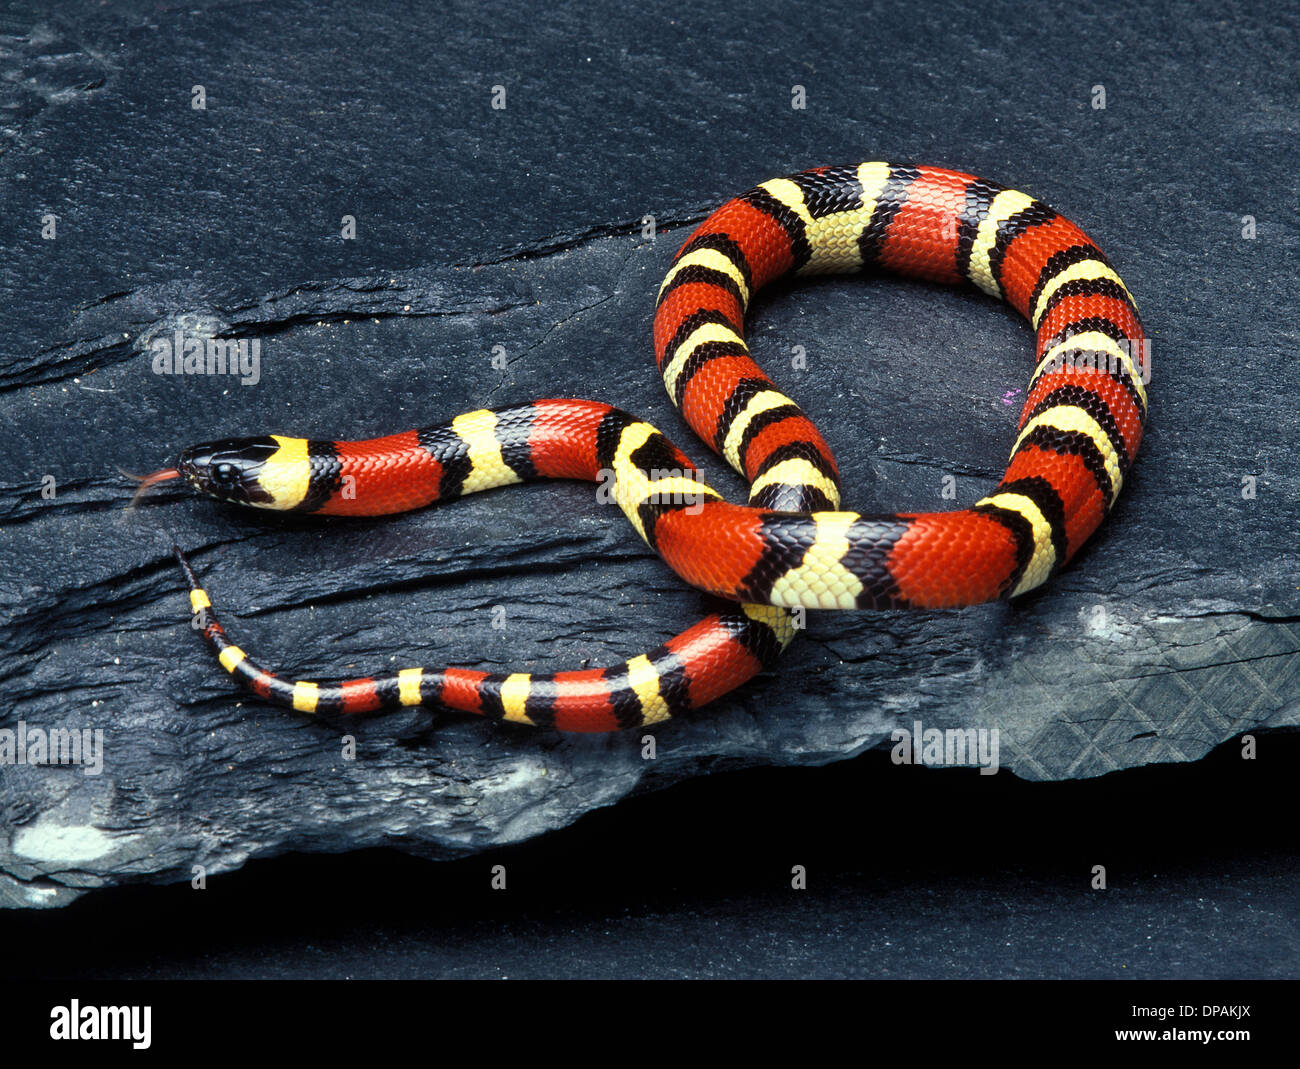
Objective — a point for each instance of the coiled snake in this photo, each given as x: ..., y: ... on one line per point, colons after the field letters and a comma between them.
x: 791, y: 545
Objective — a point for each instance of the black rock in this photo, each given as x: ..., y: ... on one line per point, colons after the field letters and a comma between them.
x: 1177, y: 627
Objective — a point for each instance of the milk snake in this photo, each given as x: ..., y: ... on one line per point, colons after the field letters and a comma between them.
x: 1078, y: 433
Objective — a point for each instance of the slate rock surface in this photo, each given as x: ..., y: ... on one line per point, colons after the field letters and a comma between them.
x: 519, y: 233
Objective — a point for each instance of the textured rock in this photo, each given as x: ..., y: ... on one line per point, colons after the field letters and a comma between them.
x: 1177, y: 628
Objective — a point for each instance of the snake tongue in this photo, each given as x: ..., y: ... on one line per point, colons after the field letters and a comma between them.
x: 147, y: 481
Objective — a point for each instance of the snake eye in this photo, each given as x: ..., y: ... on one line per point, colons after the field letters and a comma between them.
x: 225, y: 474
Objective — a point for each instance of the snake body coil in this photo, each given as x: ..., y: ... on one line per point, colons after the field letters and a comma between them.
x: 790, y: 546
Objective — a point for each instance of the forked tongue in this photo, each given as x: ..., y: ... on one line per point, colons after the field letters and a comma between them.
x: 146, y: 482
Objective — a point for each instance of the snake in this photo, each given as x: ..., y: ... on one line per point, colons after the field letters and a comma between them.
x: 791, y: 545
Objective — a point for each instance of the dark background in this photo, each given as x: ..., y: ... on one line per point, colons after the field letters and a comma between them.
x: 924, y: 874
x: 668, y: 109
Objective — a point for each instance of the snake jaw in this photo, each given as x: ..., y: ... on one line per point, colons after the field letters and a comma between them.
x: 147, y: 482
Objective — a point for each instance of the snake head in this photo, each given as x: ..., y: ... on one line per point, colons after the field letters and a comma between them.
x: 229, y: 470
